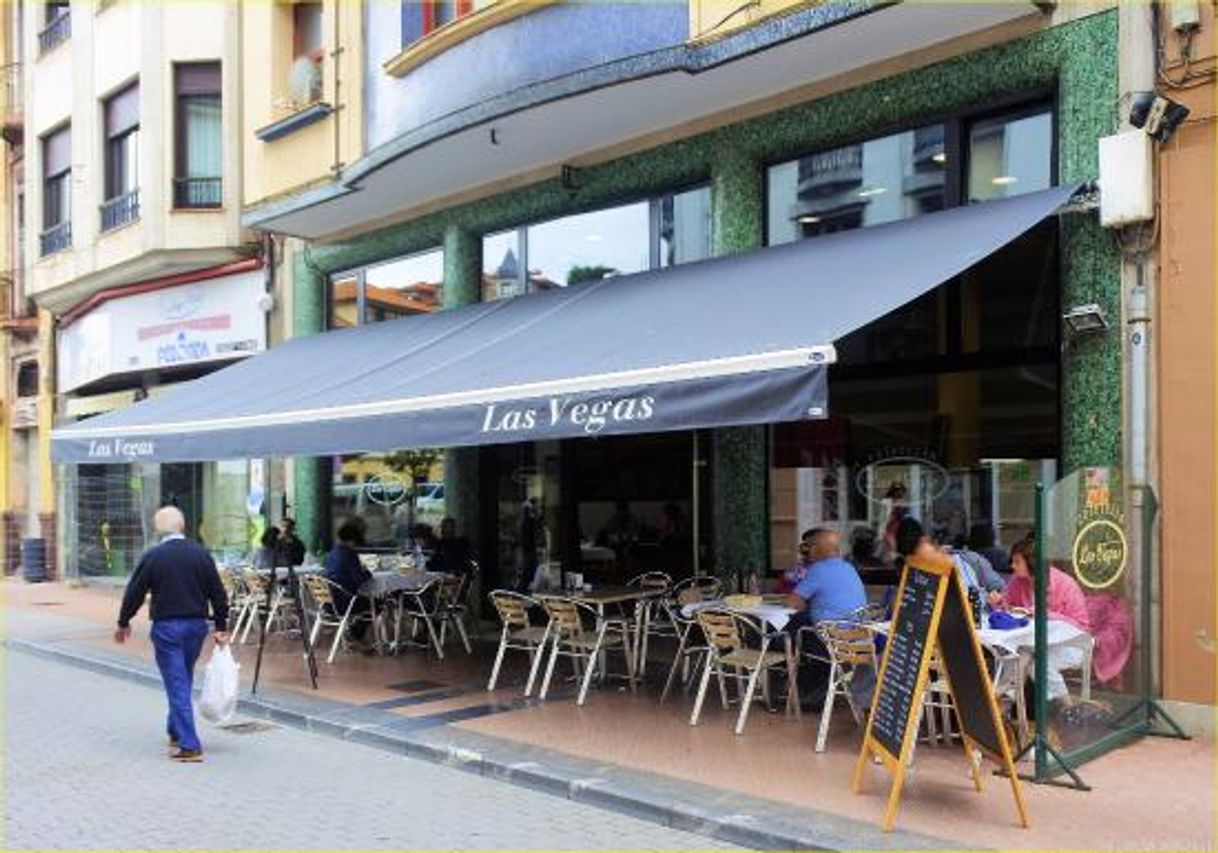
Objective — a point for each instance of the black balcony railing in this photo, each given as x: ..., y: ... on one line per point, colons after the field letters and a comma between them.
x: 56, y: 238
x: 197, y: 192
x: 120, y: 210
x: 57, y: 31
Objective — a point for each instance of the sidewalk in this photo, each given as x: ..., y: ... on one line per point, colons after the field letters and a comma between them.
x: 627, y: 752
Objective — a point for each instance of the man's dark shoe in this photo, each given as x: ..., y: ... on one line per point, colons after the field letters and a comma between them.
x: 173, y: 743
x: 188, y: 756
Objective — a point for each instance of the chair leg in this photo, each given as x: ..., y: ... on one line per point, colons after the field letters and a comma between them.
x: 747, y: 701
x: 677, y: 661
x: 631, y: 670
x: 545, y: 684
x: 823, y: 731
x: 706, y: 674
x: 722, y: 687
x: 316, y: 630
x: 587, y: 679
x: 490, y: 685
x: 435, y: 640
x: 469, y: 650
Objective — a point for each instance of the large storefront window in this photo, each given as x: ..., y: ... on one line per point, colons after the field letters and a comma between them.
x: 947, y: 408
x: 670, y: 229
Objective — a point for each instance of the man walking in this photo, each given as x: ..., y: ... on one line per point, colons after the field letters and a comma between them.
x: 183, y: 580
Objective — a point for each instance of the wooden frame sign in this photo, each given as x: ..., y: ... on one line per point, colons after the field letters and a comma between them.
x: 932, y: 612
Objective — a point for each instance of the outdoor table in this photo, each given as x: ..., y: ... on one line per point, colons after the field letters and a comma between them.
x: 602, y: 597
x: 383, y: 584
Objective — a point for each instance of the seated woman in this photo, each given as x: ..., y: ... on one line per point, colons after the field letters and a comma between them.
x: 1064, y: 600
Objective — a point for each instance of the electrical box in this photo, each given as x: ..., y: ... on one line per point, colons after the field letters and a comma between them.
x: 1126, y: 179
x: 1185, y: 15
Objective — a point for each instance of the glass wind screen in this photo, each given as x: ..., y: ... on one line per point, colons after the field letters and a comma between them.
x: 1008, y: 157
x: 403, y: 287
x: 869, y: 183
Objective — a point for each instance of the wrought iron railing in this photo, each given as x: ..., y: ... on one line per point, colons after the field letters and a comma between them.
x: 57, y: 31
x: 198, y: 192
x: 120, y: 210
x: 55, y: 239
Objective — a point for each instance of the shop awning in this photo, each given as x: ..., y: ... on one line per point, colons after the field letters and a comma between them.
x: 739, y: 340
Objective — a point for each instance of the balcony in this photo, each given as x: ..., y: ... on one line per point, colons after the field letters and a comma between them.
x: 197, y: 193
x: 120, y: 210
x: 56, y: 32
x: 55, y: 239
x: 12, y: 114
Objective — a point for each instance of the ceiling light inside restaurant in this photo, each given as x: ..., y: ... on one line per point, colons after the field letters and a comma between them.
x: 1004, y: 180
x: 808, y: 219
x: 867, y: 192
x: 939, y: 157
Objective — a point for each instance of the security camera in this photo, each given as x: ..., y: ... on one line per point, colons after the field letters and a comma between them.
x: 1158, y: 115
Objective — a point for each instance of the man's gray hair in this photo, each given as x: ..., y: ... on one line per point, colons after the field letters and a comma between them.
x: 169, y: 519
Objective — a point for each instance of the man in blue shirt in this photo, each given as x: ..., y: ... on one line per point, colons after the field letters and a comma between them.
x: 831, y: 589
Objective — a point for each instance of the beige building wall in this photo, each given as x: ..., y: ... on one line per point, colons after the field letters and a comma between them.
x: 69, y: 84
x: 1188, y: 376
x: 312, y: 154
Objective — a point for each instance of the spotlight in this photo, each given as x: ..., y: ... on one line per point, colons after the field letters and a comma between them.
x: 1084, y: 319
x: 1158, y: 115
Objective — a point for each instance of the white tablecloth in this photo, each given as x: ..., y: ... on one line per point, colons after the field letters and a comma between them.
x: 384, y: 583
x: 775, y: 615
x: 1013, y: 639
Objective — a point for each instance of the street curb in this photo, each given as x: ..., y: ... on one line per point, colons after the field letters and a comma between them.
x: 727, y: 816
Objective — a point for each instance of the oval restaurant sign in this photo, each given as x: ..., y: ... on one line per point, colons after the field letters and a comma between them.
x: 1100, y: 553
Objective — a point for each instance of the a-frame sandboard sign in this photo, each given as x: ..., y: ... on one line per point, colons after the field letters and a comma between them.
x: 932, y: 611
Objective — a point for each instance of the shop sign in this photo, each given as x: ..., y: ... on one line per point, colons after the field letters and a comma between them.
x: 1100, y: 551
x: 189, y: 324
x: 902, y: 479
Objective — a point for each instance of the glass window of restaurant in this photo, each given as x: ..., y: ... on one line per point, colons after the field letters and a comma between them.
x: 391, y: 492
x: 946, y: 409
x: 607, y: 507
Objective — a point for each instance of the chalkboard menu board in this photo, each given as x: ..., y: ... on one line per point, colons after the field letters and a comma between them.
x: 971, y: 686
x: 909, y: 643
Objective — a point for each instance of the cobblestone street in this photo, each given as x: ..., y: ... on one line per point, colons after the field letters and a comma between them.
x: 86, y: 768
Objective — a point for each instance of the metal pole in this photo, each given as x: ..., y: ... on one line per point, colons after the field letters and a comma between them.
x: 1041, y: 628
x: 696, y: 508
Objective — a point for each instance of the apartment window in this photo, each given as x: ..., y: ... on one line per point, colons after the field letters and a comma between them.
x: 199, y: 146
x: 420, y: 17
x: 1009, y: 155
x: 27, y: 379
x: 397, y: 288
x: 122, y: 129
x: 308, y: 49
x: 670, y: 229
x: 57, y: 25
x: 56, y: 192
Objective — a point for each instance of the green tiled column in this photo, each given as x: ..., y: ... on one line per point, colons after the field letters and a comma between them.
x: 310, y: 494
x: 462, y: 286
x: 738, y: 467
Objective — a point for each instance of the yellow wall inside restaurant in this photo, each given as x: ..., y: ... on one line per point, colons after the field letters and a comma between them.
x: 306, y: 156
x: 1188, y: 379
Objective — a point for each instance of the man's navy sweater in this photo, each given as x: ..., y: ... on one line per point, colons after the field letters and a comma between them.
x: 183, y: 579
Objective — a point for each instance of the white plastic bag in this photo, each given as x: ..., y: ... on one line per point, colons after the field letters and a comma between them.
x: 220, y: 683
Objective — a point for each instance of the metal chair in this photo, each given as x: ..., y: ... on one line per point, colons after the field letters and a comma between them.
x: 658, y: 584
x: 519, y: 633
x: 450, y: 608
x: 421, y: 607
x: 851, y: 647
x: 571, y: 636
x: 320, y: 604
x: 725, y: 632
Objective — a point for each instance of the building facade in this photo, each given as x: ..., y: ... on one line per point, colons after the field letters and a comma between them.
x: 135, y: 253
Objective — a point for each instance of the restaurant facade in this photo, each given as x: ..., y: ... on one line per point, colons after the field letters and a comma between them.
x: 507, y: 151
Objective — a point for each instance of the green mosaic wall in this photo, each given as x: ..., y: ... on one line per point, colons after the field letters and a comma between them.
x: 1076, y: 62
x: 310, y: 495
x: 462, y: 286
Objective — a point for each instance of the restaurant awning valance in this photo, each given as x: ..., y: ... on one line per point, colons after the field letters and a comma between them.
x: 738, y: 340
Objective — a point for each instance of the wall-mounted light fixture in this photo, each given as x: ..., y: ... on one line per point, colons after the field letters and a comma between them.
x: 1085, y: 319
x: 572, y: 178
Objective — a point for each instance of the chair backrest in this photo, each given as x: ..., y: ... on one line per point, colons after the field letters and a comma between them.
x: 848, y: 643
x: 513, y: 608
x: 452, y: 590
x: 318, y: 589
x: 564, y: 614
x: 257, y: 583
x: 652, y: 581
x: 720, y: 628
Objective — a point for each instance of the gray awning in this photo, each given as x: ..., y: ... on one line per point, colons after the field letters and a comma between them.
x: 739, y: 340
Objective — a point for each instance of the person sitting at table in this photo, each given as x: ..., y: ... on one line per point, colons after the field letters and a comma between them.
x: 1064, y: 600
x: 344, y: 569
x: 791, y: 577
x: 283, y: 545
x: 981, y: 538
x: 830, y: 590
x: 453, y: 554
